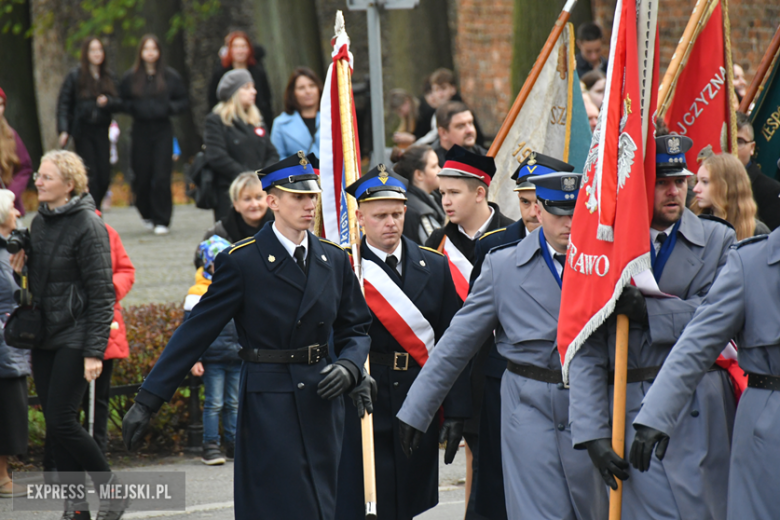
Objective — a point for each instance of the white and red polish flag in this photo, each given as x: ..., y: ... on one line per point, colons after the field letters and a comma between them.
x: 399, y: 315
x: 610, y: 240
x: 335, y: 216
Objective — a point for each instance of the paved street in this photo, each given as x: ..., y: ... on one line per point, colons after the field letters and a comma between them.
x: 164, y: 272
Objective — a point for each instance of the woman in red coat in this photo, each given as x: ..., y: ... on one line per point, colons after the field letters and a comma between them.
x: 124, y: 277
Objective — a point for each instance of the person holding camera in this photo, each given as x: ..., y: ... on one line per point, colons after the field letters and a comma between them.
x: 68, y: 258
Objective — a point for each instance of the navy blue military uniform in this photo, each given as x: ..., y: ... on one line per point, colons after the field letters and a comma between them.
x: 405, y: 486
x: 288, y: 442
x: 489, y: 497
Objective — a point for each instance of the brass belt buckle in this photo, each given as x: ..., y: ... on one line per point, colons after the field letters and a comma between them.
x: 400, y: 355
x: 317, y: 355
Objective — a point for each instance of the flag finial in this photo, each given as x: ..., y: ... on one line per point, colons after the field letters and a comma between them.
x: 340, y: 28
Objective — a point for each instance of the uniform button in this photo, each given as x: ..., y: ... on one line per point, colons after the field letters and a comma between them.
x: 395, y: 384
x: 298, y: 325
x: 320, y: 324
x: 561, y: 427
x: 695, y: 413
x: 301, y: 386
x: 561, y: 386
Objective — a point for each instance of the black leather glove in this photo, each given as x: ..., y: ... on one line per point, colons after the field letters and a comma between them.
x: 632, y: 303
x: 364, y: 395
x: 607, y: 461
x: 642, y: 449
x: 451, y: 433
x: 410, y: 437
x: 337, y: 380
x: 134, y: 425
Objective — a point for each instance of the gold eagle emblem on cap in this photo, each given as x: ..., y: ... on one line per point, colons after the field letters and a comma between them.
x: 302, y: 156
x: 383, y: 175
x: 532, y: 159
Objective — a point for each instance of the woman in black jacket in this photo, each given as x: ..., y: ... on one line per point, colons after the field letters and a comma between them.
x: 235, y: 138
x: 424, y: 213
x: 71, y: 281
x: 86, y: 100
x: 241, y: 54
x: 151, y: 94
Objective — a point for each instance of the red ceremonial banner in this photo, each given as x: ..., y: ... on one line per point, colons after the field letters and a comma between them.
x: 610, y: 232
x: 700, y: 107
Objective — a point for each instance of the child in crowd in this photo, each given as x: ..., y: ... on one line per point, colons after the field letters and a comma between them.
x: 220, y: 365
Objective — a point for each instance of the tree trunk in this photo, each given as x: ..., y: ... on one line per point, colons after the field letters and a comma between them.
x: 17, y: 80
x: 533, y: 21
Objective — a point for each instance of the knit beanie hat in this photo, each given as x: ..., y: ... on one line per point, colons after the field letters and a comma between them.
x: 2, y: 95
x: 208, y: 251
x: 231, y: 82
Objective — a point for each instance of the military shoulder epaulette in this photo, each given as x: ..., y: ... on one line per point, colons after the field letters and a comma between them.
x: 491, y: 232
x: 241, y: 243
x: 716, y: 219
x: 432, y: 250
x: 502, y: 246
x: 750, y: 240
x: 334, y: 244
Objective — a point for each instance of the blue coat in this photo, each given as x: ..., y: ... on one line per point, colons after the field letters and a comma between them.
x: 288, y: 442
x: 14, y: 362
x: 290, y: 134
x: 405, y: 487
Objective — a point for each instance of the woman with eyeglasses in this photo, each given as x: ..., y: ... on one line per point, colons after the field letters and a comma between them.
x: 69, y: 263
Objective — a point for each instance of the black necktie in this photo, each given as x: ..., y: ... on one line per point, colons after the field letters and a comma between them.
x: 561, y: 259
x: 392, y: 261
x: 661, y: 238
x: 300, y: 254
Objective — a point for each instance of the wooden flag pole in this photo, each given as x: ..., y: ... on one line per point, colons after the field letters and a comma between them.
x: 696, y: 22
x: 343, y: 76
x: 763, y: 68
x: 560, y: 24
x: 619, y: 410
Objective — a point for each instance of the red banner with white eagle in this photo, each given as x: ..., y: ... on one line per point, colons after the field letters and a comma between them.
x: 699, y: 102
x: 610, y: 241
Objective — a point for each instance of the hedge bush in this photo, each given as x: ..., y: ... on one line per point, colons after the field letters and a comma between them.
x: 149, y: 328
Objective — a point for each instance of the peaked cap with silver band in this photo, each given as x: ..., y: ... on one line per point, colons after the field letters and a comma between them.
x: 557, y: 192
x: 670, y: 153
x: 537, y: 164
x: 298, y: 174
x: 378, y: 184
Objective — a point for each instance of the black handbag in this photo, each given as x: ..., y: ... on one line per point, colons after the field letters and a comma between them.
x: 201, y: 183
x: 24, y: 328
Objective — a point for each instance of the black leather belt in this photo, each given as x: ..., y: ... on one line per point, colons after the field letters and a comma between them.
x: 637, y: 375
x: 764, y: 381
x: 401, y: 361
x: 536, y: 373
x: 309, y: 355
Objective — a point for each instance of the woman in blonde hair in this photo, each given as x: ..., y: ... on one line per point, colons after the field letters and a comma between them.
x: 723, y: 190
x: 15, y: 164
x: 71, y: 281
x: 236, y: 139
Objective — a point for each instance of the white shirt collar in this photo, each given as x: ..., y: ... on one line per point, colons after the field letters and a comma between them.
x: 383, y: 256
x: 553, y: 252
x: 482, y: 228
x: 654, y: 235
x: 288, y: 244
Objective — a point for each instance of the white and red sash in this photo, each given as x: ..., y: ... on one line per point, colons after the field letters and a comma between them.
x: 399, y: 315
x: 460, y: 267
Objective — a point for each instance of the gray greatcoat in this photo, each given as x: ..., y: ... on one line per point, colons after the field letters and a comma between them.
x: 692, y: 480
x: 744, y: 304
x: 517, y: 296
